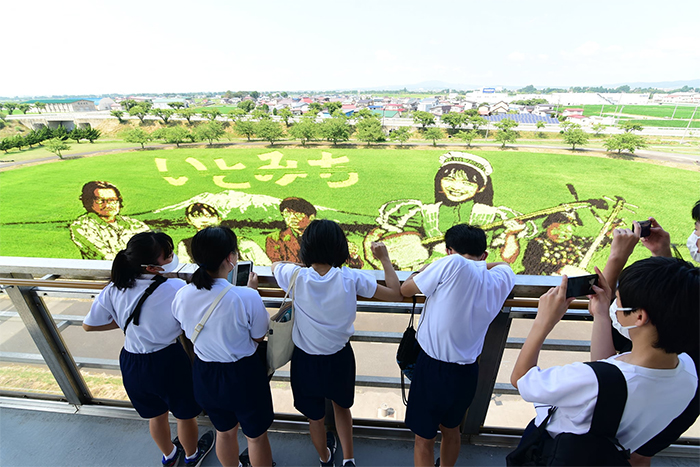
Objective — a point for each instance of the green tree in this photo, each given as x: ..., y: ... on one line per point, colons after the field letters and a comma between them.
x: 305, y: 130
x: 285, y: 114
x: 209, y: 131
x: 139, y: 111
x: 467, y: 136
x: 625, y: 142
x: 77, y: 134
x: 56, y: 145
x: 187, y: 113
x: 575, y: 136
x: 401, y: 134
x: 363, y: 113
x: 315, y: 107
x: 10, y: 106
x: 539, y: 124
x: 91, y: 134
x: 597, y: 128
x: 136, y: 135
x: 370, y: 130
x: 506, y: 134
x: 60, y: 133
x: 423, y: 119
x: 629, y: 125
x: 236, y: 114
x: 210, y: 114
x: 255, y: 94
x: 568, y: 125
x: 119, y: 114
x: 335, y: 129
x: 333, y: 106
x: 176, y: 105
x: 260, y: 114
x: 128, y: 104
x: 433, y: 134
x: 173, y: 135
x: 32, y: 138
x: 6, y: 144
x: 454, y: 119
x: 163, y: 114
x: 269, y: 130
x: 40, y: 106
x: 23, y: 107
x: 246, y: 105
x: 476, y: 122
x: 245, y: 128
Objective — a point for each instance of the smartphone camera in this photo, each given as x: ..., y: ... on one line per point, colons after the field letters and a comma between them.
x: 646, y: 228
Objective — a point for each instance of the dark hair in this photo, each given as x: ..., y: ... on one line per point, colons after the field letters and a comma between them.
x: 695, y: 212
x: 324, y: 242
x: 562, y: 218
x: 466, y: 239
x: 482, y: 197
x: 210, y: 247
x: 142, y: 248
x: 298, y: 205
x: 88, y: 194
x: 198, y: 209
x: 669, y: 290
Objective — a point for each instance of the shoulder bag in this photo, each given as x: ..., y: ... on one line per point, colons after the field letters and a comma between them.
x: 279, y: 338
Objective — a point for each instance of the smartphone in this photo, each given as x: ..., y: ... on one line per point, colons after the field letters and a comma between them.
x: 239, y: 275
x: 581, y: 286
x: 646, y: 228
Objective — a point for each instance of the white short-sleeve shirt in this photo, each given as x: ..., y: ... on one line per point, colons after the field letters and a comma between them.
x: 237, y: 319
x: 654, y: 397
x: 325, y: 306
x: 157, y: 328
x: 463, y: 297
x: 693, y: 246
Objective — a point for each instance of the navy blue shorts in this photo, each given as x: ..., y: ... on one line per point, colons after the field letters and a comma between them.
x: 160, y: 381
x: 316, y: 378
x: 440, y: 394
x: 236, y: 392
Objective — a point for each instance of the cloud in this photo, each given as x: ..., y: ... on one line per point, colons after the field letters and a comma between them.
x: 384, y: 55
x: 517, y: 56
x: 588, y: 48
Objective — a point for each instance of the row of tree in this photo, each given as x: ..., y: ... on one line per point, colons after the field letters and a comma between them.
x: 40, y: 136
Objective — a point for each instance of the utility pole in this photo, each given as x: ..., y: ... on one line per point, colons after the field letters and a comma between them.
x: 689, y: 122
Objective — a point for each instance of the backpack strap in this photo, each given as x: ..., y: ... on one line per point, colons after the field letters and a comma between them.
x: 612, y: 397
x: 136, y: 314
x: 198, y: 328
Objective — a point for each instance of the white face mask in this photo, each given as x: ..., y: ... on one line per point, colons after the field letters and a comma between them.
x: 169, y: 267
x: 624, y: 330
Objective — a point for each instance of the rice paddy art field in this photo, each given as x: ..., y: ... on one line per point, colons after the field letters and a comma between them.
x: 389, y: 194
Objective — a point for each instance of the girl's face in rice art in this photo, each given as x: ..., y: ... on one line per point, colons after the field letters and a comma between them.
x: 458, y: 187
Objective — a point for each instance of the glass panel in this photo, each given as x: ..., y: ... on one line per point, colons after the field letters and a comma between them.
x: 22, y: 368
x: 95, y: 353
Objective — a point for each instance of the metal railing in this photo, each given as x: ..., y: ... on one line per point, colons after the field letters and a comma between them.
x: 27, y: 281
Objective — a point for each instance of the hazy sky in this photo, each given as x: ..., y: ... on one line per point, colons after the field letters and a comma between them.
x: 126, y: 46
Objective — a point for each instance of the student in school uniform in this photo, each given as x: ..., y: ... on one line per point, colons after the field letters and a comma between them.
x: 464, y: 294
x: 156, y: 371
x: 656, y: 306
x: 230, y: 381
x: 325, y: 300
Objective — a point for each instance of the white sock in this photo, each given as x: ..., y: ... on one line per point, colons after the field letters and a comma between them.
x: 329, y: 456
x: 189, y: 458
x: 345, y: 461
x: 172, y: 454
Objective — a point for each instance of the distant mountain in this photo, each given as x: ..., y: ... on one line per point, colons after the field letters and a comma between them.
x: 693, y: 83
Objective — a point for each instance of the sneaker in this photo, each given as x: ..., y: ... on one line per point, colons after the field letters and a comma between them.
x: 244, y: 458
x: 330, y: 442
x: 437, y: 462
x: 349, y: 464
x: 179, y: 454
x: 204, y: 445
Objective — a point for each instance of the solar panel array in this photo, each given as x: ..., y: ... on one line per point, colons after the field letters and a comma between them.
x: 522, y: 118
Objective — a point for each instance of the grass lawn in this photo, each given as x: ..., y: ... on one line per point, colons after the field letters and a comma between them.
x: 39, y: 202
x: 644, y: 110
x: 40, y: 152
x: 668, y: 123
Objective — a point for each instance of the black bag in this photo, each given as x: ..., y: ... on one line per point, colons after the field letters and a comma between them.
x: 407, y: 354
x: 597, y: 447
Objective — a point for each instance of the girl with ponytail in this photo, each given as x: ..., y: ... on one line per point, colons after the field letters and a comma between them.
x: 156, y: 371
x: 230, y: 382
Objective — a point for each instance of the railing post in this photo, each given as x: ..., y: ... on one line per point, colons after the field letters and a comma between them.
x: 41, y: 327
x: 489, y: 363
